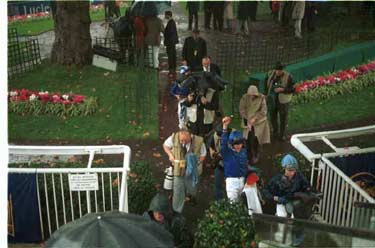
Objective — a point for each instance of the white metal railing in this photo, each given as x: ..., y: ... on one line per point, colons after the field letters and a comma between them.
x: 339, y: 194
x: 339, y: 191
x: 57, y: 203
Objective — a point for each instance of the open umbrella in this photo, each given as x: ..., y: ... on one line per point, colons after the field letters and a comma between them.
x: 111, y: 229
x: 149, y: 8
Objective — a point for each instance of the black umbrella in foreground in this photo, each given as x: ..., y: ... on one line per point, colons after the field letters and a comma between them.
x: 111, y: 229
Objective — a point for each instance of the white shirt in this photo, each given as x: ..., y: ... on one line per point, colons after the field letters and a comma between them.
x: 206, y: 68
x: 169, y: 143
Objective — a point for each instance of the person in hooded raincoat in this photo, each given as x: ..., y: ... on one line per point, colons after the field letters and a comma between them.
x: 161, y: 212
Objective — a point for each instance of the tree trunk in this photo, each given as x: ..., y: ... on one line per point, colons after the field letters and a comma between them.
x: 72, y: 45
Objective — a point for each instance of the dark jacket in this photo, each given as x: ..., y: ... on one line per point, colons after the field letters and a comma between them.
x: 170, y: 34
x: 193, y: 51
x: 174, y: 222
x: 214, y: 68
x: 281, y: 187
x: 192, y: 7
x: 235, y: 163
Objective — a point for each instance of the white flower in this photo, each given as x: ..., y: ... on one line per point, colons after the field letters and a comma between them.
x: 337, y: 79
x: 65, y: 97
x: 32, y: 97
x: 13, y: 93
x: 43, y: 93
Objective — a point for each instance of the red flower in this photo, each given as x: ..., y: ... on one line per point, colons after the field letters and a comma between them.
x: 77, y: 98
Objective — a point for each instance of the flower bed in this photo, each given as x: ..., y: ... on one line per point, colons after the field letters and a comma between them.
x: 40, y: 103
x: 42, y: 15
x: 325, y: 87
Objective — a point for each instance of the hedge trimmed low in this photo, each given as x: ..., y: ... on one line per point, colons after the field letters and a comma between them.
x: 225, y: 225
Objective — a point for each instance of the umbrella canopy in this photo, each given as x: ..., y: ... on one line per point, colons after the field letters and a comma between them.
x: 111, y: 229
x: 149, y: 8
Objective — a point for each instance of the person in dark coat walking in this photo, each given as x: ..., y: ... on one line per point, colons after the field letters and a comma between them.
x: 193, y: 8
x: 193, y: 51
x: 170, y: 41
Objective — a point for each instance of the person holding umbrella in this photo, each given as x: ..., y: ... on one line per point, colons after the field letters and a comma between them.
x: 160, y: 212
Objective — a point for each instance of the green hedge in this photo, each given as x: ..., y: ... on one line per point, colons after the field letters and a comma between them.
x: 225, y: 225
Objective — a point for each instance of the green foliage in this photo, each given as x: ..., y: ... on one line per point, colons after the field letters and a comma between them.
x: 88, y: 107
x: 225, y: 225
x: 128, y: 104
x: 329, y: 91
x: 141, y: 187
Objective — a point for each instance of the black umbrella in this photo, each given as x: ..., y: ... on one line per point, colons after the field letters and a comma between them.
x: 111, y: 229
x: 149, y: 8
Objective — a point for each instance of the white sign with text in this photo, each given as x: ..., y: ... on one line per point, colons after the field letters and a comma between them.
x: 83, y: 182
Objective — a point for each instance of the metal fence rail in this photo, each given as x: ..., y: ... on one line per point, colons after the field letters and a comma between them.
x: 23, y: 53
x: 124, y: 51
x: 339, y: 195
x: 58, y: 204
x: 339, y: 191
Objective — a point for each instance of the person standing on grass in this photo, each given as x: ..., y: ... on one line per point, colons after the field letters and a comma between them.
x: 234, y: 160
x: 170, y: 41
x: 193, y: 8
x: 280, y: 89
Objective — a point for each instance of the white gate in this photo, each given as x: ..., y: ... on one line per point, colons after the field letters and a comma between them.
x: 339, y: 191
x: 58, y: 204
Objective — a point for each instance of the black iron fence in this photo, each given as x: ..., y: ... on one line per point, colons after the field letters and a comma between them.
x: 124, y: 51
x: 23, y: 53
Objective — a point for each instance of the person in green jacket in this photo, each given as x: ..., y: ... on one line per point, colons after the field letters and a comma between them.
x: 161, y: 212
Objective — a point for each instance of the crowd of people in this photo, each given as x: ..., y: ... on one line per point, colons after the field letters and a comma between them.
x: 240, y: 18
x: 205, y: 136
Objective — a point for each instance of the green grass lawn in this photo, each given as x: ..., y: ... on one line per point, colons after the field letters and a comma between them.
x: 38, y: 26
x: 338, y: 109
x: 128, y: 104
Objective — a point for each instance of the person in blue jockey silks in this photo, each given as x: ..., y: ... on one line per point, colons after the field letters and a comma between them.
x: 283, y: 190
x: 181, y: 93
x: 234, y: 160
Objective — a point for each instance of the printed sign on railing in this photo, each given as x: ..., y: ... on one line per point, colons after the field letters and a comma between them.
x: 83, y: 182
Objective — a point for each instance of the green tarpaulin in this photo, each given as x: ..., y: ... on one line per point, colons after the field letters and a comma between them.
x: 334, y: 61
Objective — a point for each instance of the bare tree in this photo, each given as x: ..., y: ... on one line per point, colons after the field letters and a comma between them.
x: 72, y: 45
